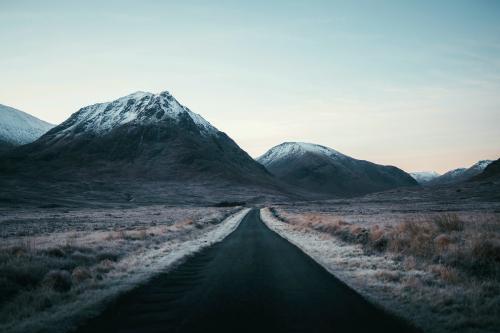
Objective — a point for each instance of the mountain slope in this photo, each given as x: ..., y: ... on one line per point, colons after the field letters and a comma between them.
x: 139, y: 136
x: 423, y: 177
x: 460, y: 175
x: 19, y: 128
x: 492, y: 171
x: 321, y: 169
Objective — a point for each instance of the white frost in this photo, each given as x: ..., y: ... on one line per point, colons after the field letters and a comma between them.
x: 128, y: 274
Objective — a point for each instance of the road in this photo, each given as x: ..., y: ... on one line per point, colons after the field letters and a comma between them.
x: 253, y: 281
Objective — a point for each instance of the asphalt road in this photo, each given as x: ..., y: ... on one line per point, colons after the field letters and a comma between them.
x: 253, y: 281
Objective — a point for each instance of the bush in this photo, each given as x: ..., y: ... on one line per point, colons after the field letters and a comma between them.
x: 445, y: 273
x: 56, y: 252
x: 105, y: 266
x: 390, y: 276
x: 442, y: 242
x: 448, y: 222
x: 413, y: 238
x: 80, y: 274
x: 58, y: 280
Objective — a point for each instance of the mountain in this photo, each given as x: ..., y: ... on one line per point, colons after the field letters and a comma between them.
x: 19, y: 128
x: 460, y: 175
x: 423, y: 177
x: 139, y: 136
x: 492, y: 171
x: 321, y: 169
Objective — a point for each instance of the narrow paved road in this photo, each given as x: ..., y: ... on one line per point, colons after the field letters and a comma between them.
x: 253, y: 281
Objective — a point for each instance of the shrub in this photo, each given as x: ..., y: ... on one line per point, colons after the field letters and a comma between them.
x: 80, y: 274
x: 391, y: 276
x: 447, y: 274
x: 413, y: 238
x: 409, y: 263
x: 442, y: 242
x: 113, y: 256
x: 377, y: 238
x: 56, y: 252
x: 486, y: 250
x: 448, y: 222
x: 105, y: 266
x: 58, y: 280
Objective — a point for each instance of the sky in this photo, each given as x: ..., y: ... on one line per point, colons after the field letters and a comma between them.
x: 414, y: 84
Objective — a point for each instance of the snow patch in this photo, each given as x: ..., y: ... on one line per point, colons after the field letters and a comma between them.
x: 141, y: 107
x: 481, y: 165
x: 424, y: 176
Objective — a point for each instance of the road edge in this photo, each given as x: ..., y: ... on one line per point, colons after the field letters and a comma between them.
x: 67, y: 317
x: 268, y: 219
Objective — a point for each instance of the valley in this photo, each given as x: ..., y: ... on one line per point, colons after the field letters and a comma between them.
x: 111, y: 206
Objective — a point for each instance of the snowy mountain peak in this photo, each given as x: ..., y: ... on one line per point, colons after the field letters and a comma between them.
x: 424, y: 176
x: 481, y: 165
x: 138, y: 107
x: 17, y: 127
x: 297, y: 149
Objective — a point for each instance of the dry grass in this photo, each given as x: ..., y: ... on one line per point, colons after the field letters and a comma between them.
x: 445, y: 270
x: 444, y: 238
x: 448, y: 222
x: 47, y: 268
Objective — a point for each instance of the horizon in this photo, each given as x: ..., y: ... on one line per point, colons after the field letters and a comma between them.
x: 373, y: 82
x: 261, y: 166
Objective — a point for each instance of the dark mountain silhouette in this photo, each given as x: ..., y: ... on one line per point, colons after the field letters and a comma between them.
x: 139, y: 136
x: 324, y: 170
x: 492, y: 171
x: 460, y: 175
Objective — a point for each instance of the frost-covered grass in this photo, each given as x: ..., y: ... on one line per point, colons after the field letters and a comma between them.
x: 439, y: 270
x: 60, y: 267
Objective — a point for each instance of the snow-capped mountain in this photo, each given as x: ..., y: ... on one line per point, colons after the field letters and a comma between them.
x: 322, y: 169
x: 297, y: 149
x: 137, y: 108
x: 19, y: 128
x: 460, y: 174
x: 491, y: 171
x: 142, y: 135
x: 423, y: 177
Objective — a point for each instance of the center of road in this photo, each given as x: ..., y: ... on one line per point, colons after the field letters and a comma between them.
x: 252, y: 281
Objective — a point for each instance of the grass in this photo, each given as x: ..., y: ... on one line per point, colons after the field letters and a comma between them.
x: 442, y: 238
x: 446, y: 263
x: 47, y: 268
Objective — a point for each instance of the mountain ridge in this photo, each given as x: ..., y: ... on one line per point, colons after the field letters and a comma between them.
x: 322, y: 169
x: 460, y: 174
x: 141, y: 135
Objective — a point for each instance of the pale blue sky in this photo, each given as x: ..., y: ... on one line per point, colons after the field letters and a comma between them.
x: 410, y: 83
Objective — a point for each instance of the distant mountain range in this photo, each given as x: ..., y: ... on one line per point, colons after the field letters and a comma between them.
x: 152, y: 137
x: 324, y: 170
x: 19, y: 128
x: 459, y: 175
x: 139, y: 136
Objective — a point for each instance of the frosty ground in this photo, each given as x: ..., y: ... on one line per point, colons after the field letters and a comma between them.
x: 431, y: 256
x: 61, y: 266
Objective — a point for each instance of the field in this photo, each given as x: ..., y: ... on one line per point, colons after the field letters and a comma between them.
x: 430, y: 256
x: 62, y: 265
